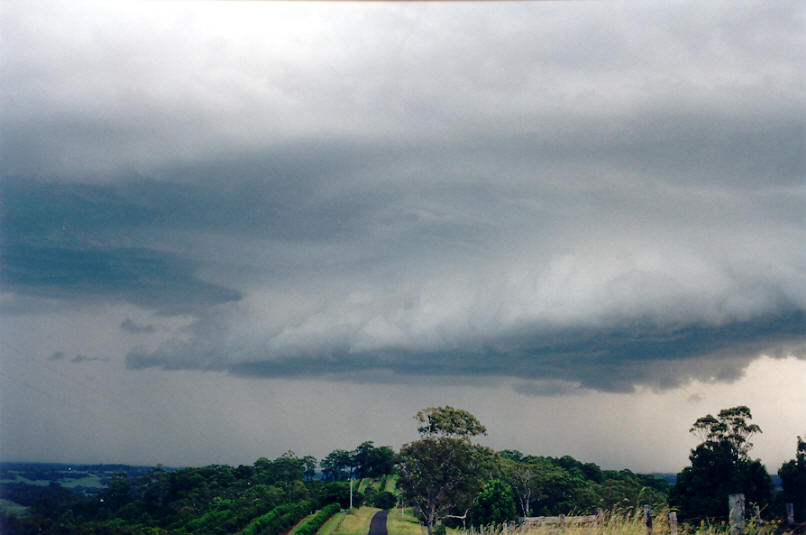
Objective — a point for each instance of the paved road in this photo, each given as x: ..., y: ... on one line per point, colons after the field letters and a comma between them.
x: 378, y: 524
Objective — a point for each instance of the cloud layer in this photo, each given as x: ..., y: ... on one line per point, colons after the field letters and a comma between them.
x: 578, y: 196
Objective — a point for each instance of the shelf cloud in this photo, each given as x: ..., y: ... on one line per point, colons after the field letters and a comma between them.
x: 554, y: 201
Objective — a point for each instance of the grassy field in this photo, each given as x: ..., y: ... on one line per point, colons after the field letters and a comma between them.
x: 356, y: 522
x: 407, y: 524
x: 391, y: 484
x: 89, y: 480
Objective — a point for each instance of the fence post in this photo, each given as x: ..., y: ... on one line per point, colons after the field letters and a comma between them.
x: 736, y: 508
x: 672, y: 523
x: 756, y: 515
x: 790, y: 514
x: 648, y: 517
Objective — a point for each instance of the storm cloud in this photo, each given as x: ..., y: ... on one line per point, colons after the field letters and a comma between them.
x: 567, y: 197
x: 78, y: 359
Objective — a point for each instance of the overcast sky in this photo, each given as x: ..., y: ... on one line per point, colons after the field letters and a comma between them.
x: 232, y: 229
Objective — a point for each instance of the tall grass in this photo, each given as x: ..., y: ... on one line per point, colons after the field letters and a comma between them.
x: 619, y: 523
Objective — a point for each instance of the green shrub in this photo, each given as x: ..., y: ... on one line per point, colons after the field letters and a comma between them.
x: 339, y: 492
x: 312, y: 524
x: 278, y: 519
x: 384, y: 500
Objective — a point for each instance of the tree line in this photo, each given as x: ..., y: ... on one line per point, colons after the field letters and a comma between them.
x: 450, y: 479
x: 445, y: 475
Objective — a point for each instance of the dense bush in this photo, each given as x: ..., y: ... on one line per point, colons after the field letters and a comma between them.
x: 278, y: 519
x: 384, y: 500
x: 315, y: 522
x: 339, y: 491
x: 494, y: 505
x: 721, y: 466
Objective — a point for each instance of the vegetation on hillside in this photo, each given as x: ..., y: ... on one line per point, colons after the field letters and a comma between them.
x: 444, y: 477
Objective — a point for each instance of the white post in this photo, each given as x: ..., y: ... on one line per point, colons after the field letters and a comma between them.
x: 648, y: 518
x: 790, y: 514
x: 672, y: 523
x: 736, y: 509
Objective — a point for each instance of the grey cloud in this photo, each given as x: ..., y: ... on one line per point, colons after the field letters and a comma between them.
x: 544, y: 388
x: 471, y: 278
x: 526, y: 71
x: 528, y: 203
x: 78, y: 359
x: 696, y: 398
x: 132, y: 327
x: 80, y: 242
x: 144, y: 277
x: 614, y: 360
x: 59, y: 355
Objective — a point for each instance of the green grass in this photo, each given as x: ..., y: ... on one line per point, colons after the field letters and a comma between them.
x: 408, y: 524
x: 328, y: 527
x: 403, y: 525
x: 88, y: 481
x: 391, y: 484
x: 66, y: 482
x: 356, y: 522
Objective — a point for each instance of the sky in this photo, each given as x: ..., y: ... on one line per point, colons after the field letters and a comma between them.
x: 232, y: 229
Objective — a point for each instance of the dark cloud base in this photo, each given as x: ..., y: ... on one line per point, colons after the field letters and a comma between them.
x: 78, y: 359
x: 144, y: 277
x: 614, y: 360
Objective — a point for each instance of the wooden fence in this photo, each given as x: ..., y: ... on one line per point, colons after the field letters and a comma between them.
x: 562, y: 520
x: 736, y: 506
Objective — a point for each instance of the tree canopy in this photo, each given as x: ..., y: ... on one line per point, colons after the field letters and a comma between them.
x: 793, y: 481
x: 367, y: 460
x: 731, y: 429
x: 442, y: 473
x: 720, y: 466
x: 448, y: 422
x: 495, y: 504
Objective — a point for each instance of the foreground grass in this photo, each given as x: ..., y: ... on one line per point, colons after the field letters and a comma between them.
x: 408, y: 524
x: 356, y: 522
x: 403, y: 525
x: 634, y: 524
